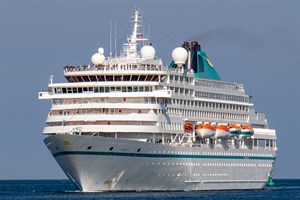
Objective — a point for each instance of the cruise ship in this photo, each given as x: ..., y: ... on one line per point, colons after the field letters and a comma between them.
x: 130, y: 123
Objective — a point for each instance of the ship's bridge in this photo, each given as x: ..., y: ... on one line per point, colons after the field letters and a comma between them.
x: 143, y: 71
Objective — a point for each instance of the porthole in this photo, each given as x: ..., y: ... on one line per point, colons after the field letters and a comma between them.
x: 89, y: 147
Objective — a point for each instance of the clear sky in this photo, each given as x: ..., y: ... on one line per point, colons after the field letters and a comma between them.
x: 251, y: 42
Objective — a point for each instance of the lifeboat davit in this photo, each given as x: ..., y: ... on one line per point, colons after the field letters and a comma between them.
x: 205, y: 130
x: 246, y: 131
x: 235, y: 130
x: 222, y: 131
x: 188, y: 127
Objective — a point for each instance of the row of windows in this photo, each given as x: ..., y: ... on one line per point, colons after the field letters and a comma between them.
x: 93, y: 122
x: 206, y: 114
x: 98, y: 111
x: 102, y: 89
x: 212, y: 175
x: 210, y: 105
x: 228, y: 97
x: 179, y: 174
x: 101, y: 78
x: 238, y: 154
x: 175, y: 78
x: 165, y: 126
x: 229, y: 164
x: 151, y: 100
x: 264, y: 165
x: 105, y: 100
x: 212, y: 153
x: 182, y: 91
x: 171, y: 126
x: 213, y: 84
x: 211, y: 164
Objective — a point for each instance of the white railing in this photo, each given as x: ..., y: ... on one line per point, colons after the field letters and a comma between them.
x: 115, y: 67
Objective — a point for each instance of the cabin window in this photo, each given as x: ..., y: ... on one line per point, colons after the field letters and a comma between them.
x: 155, y: 78
x: 101, y: 78
x: 111, y: 148
x: 80, y: 90
x: 79, y: 78
x: 86, y: 79
x: 109, y: 78
x: 118, y: 78
x: 142, y: 78
x: 89, y: 147
x: 126, y: 78
x: 129, y: 89
x: 93, y: 78
x: 149, y: 77
x: 134, y: 78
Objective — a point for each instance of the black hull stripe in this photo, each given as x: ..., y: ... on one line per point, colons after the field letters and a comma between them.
x: 143, y: 155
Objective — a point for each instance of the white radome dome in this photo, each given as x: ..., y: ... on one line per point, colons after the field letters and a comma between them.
x: 179, y: 55
x: 97, y: 59
x: 101, y: 51
x: 148, y: 52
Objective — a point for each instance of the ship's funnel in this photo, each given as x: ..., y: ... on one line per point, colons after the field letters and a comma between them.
x: 198, y: 61
x: 196, y: 64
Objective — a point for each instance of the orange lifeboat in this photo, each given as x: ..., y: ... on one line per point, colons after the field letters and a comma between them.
x: 246, y: 131
x: 235, y: 130
x: 207, y: 130
x: 222, y: 131
x: 188, y: 127
x: 198, y: 130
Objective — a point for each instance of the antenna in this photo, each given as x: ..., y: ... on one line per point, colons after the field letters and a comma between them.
x: 110, y: 53
x: 116, y: 39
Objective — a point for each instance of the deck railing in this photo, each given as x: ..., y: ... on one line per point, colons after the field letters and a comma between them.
x: 115, y: 67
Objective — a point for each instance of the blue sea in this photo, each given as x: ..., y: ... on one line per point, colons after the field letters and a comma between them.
x: 64, y: 189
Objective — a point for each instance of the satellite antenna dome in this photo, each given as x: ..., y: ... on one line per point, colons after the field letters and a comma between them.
x: 148, y: 52
x: 101, y: 51
x: 97, y: 59
x: 179, y: 56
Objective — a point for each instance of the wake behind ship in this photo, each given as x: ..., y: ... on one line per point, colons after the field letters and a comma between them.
x: 130, y: 123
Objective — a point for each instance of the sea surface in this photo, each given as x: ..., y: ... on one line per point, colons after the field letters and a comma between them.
x: 64, y: 189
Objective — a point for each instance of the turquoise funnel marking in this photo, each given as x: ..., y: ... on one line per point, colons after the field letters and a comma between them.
x: 205, y: 68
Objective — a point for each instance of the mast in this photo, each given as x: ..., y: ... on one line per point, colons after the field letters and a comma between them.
x: 130, y: 48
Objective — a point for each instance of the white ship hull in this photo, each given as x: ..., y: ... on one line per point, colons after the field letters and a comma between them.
x: 97, y: 163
